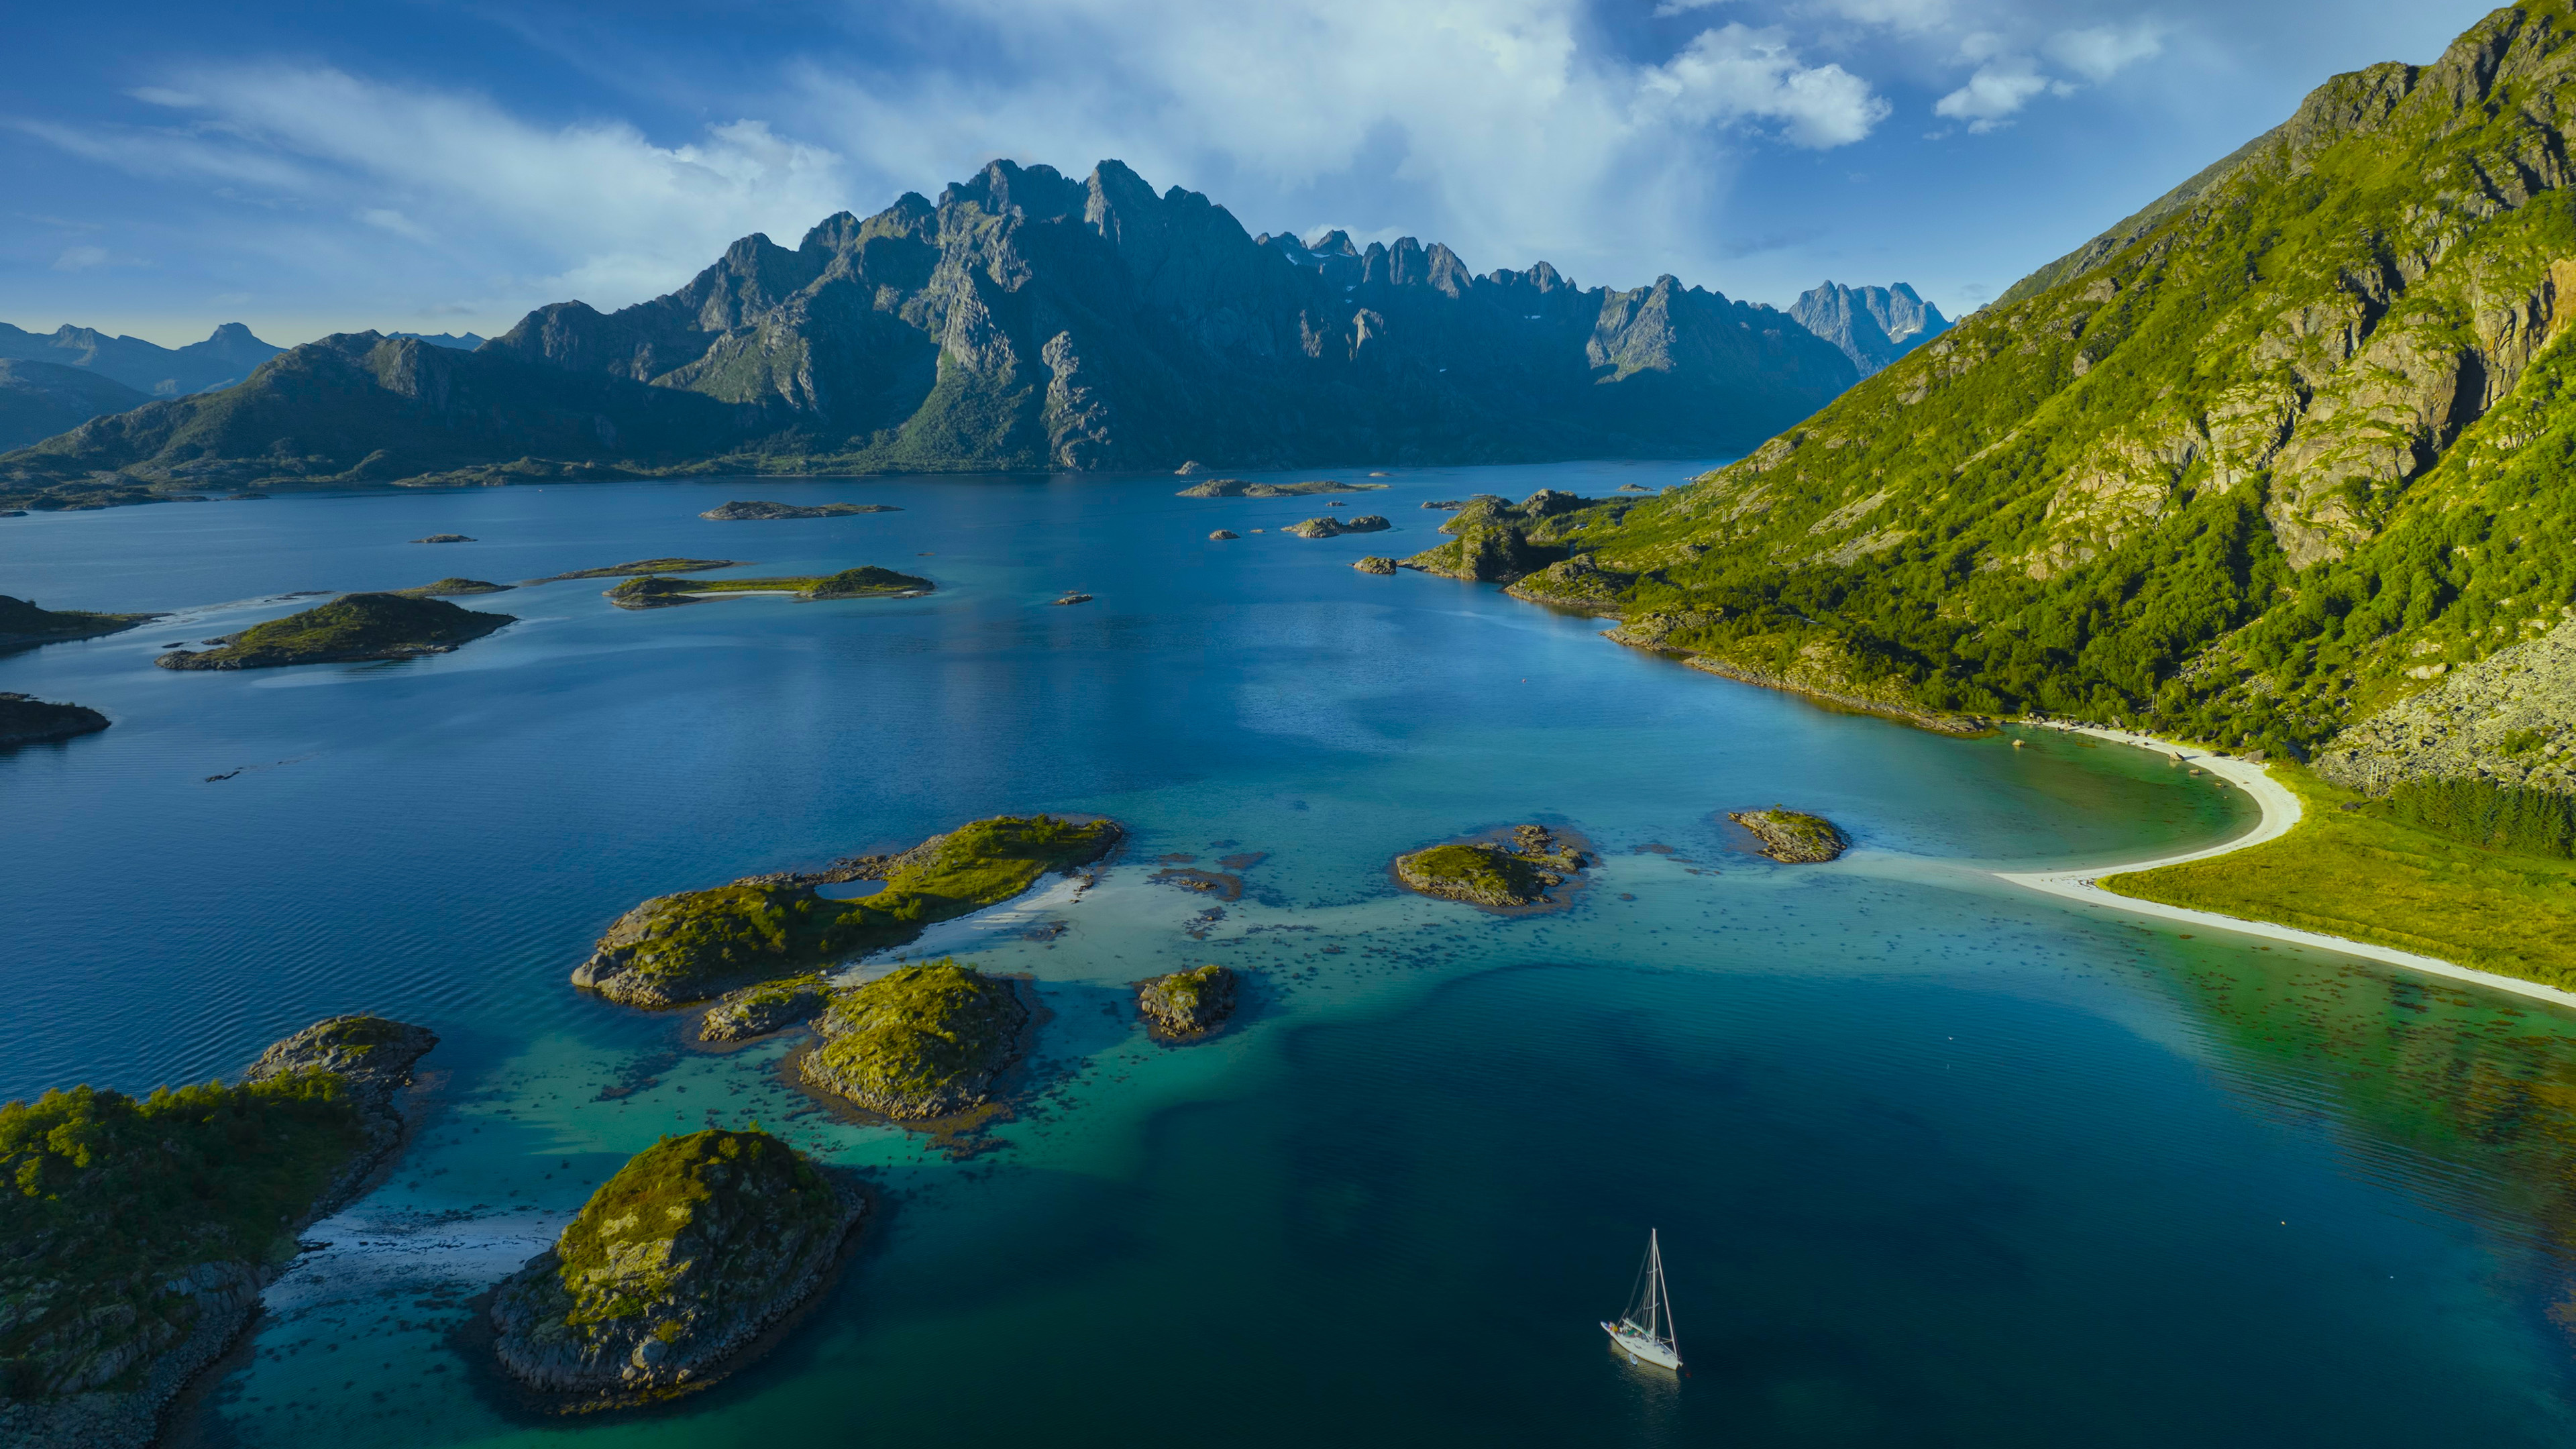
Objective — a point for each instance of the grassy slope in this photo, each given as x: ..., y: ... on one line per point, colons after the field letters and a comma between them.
x: 617, y: 1255
x: 356, y: 624
x: 903, y: 1037
x: 2356, y: 874
x: 2068, y: 504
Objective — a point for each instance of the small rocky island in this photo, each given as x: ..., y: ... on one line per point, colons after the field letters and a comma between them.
x: 1373, y: 564
x: 1223, y: 534
x: 1240, y: 488
x: 1335, y: 527
x: 141, y: 1231
x: 444, y: 538
x: 451, y: 587
x: 677, y: 949
x: 864, y: 582
x: 739, y: 512
x: 1793, y: 836
x: 1510, y: 873
x: 350, y: 628
x: 1187, y: 1004
x: 919, y: 1042
x: 24, y: 626
x: 27, y: 720
x: 672, y: 1270
x: 770, y: 1006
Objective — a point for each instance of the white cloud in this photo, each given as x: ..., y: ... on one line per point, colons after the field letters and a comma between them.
x: 1739, y: 74
x: 1999, y: 89
x: 1671, y: 8
x: 615, y: 217
x: 1901, y: 15
x: 76, y: 259
x: 2103, y: 51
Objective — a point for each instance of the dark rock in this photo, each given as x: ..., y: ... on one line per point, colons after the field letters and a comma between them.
x: 1224, y: 533
x: 1793, y: 836
x: 1336, y: 527
x: 444, y: 538
x: 27, y: 720
x: 1375, y: 565
x: 1187, y: 1004
x: 737, y: 512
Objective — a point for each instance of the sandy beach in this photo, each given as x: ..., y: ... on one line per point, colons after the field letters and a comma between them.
x: 2280, y: 811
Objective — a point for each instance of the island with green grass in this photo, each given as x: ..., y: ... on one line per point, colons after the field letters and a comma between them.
x: 919, y: 1042
x: 737, y: 512
x: 24, y: 626
x: 1241, y: 488
x: 451, y: 587
x: 1513, y: 871
x: 644, y: 566
x: 27, y: 720
x: 138, y: 1232
x: 349, y: 629
x: 865, y: 582
x: 1330, y: 527
x: 1793, y: 836
x: 677, y: 949
x: 670, y: 1276
x: 1187, y: 1005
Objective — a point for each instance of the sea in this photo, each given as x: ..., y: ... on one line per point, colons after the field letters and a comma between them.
x: 1933, y: 1160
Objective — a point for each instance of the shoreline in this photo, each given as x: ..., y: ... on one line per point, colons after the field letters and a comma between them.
x: 2280, y: 812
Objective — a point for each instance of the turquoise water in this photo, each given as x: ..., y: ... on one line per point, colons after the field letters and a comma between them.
x: 1934, y: 1162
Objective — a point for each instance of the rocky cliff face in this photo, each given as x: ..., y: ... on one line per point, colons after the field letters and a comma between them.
x: 2241, y: 467
x: 1022, y: 320
x: 1873, y: 326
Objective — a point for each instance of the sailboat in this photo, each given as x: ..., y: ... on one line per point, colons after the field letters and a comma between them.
x: 1645, y: 1331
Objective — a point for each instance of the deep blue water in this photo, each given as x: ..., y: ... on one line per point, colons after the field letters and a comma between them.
x: 1934, y: 1162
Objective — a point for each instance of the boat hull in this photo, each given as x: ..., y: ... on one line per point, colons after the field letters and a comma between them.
x: 1639, y: 1347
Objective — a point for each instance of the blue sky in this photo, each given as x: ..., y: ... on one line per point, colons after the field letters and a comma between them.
x: 426, y: 166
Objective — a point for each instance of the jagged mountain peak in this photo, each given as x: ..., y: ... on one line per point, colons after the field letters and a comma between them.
x: 1873, y: 326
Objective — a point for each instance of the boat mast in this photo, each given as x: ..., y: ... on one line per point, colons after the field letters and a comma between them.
x: 1663, y: 1294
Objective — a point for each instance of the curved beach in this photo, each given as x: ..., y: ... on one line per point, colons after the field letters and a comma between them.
x: 2280, y: 812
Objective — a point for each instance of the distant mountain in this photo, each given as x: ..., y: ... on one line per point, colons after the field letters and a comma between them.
x: 221, y: 360
x: 1873, y: 326
x: 40, y: 399
x: 1024, y: 320
x: 462, y: 342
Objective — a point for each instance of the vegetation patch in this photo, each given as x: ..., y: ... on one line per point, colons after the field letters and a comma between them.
x: 770, y: 1006
x: 919, y: 1042
x: 2347, y: 869
x: 351, y: 627
x: 137, y: 1233
x: 1498, y: 874
x: 1793, y: 836
x: 449, y: 587
x: 1187, y: 1004
x: 677, y: 949
x: 674, y: 1266
x: 1329, y: 527
x: 645, y: 566
x: 1239, y: 488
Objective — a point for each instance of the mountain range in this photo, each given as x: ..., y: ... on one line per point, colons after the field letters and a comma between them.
x: 2291, y: 444
x: 1023, y: 320
x: 222, y: 360
x: 40, y: 399
x: 1873, y: 326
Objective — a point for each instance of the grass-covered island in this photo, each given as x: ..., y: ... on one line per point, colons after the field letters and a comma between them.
x: 1497, y: 874
x: 1329, y: 527
x: 677, y: 949
x: 137, y: 1233
x: 672, y: 1269
x: 451, y: 587
x: 1240, y: 488
x: 746, y: 511
x: 645, y: 566
x: 918, y: 1042
x: 864, y: 582
x: 1187, y: 1004
x: 350, y: 628
x: 24, y: 626
x: 1793, y: 836
x: 770, y: 1006
x: 27, y: 720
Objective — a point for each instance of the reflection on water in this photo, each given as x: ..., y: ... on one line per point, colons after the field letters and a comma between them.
x: 1934, y: 1162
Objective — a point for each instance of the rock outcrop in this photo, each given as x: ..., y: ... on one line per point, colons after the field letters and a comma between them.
x: 740, y: 512
x: 1187, y: 1004
x: 1497, y: 541
x: 1513, y: 872
x: 1792, y: 836
x: 1239, y: 488
x: 674, y: 1268
x: 919, y: 1042
x: 2508, y: 719
x: 1374, y: 564
x: 1329, y: 527
x: 770, y: 1006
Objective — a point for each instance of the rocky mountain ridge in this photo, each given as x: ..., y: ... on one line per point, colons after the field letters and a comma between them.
x: 1873, y: 326
x: 1022, y: 320
x: 226, y: 357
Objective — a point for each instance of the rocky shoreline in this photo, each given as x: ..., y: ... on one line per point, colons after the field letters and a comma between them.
x: 216, y: 1298
x: 1793, y: 837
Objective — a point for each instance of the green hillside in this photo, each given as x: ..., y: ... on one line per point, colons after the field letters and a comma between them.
x: 2272, y: 454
